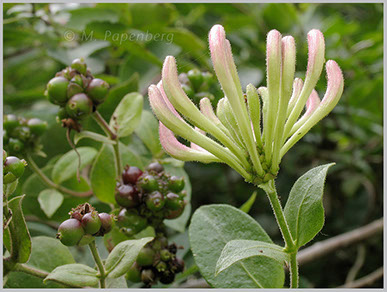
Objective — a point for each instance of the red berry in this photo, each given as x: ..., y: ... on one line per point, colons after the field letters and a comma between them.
x: 127, y: 196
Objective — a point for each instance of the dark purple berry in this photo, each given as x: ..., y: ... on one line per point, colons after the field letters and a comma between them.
x: 167, y: 277
x: 131, y: 174
x: 178, y: 265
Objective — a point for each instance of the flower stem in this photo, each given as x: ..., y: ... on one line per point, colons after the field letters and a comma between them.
x: 50, y: 183
x: 293, y: 270
x: 109, y: 132
x: 290, y: 247
x: 99, y: 263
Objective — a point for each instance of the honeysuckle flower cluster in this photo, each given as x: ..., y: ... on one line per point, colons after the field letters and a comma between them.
x: 250, y: 132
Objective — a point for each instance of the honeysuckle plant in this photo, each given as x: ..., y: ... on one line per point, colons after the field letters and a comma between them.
x: 251, y: 131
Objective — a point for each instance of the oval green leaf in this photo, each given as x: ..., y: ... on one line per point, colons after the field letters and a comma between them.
x: 67, y: 165
x: 19, y: 235
x: 212, y: 227
x: 50, y: 200
x: 74, y: 275
x: 238, y: 250
x: 304, y: 209
x: 123, y: 256
x: 127, y: 115
x: 103, y: 175
x: 148, y: 132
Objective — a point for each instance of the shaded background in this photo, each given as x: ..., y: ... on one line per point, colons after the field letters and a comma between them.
x: 41, y: 39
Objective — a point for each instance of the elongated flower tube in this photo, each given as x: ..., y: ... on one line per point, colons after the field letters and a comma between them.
x: 252, y: 132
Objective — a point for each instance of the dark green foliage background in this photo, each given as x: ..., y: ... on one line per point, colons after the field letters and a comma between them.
x: 35, y: 47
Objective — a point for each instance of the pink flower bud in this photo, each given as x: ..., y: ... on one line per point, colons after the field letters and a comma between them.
x: 316, y: 52
x: 312, y: 103
x: 335, y: 84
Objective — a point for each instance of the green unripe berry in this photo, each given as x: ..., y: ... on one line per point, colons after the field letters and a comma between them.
x: 91, y: 223
x: 172, y: 214
x: 9, y: 178
x: 173, y: 201
x: 155, y: 201
x: 10, y: 122
x: 165, y: 255
x: 15, y: 145
x: 77, y: 79
x: 37, y: 126
x: 159, y: 243
x: 161, y: 267
x: 70, y: 232
x: 79, y: 65
x: 127, y: 196
x: 196, y: 78
x: 145, y: 257
x: 107, y: 223
x: 73, y: 89
x: 134, y: 274
x: 14, y: 165
x: 148, y: 183
x: 130, y: 219
x: 57, y: 90
x: 22, y: 133
x: 97, y: 90
x: 79, y: 106
x: 176, y: 184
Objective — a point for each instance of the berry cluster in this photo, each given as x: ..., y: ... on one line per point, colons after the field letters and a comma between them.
x: 84, y: 224
x: 197, y: 84
x: 77, y: 92
x: 21, y: 134
x: 156, y: 261
x: 13, y: 168
x: 148, y: 198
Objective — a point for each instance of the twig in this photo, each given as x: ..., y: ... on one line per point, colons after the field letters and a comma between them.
x: 50, y: 183
x: 361, y: 253
x: 366, y: 280
x: 326, y: 246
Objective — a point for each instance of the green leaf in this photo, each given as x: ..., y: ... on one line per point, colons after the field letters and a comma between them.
x: 180, y: 222
x: 91, y: 135
x: 238, y: 250
x: 74, y: 275
x: 67, y: 165
x: 249, y: 203
x: 19, y: 234
x: 127, y: 115
x: 123, y: 256
x: 211, y: 228
x: 304, y: 210
x: 148, y: 132
x: 43, y: 249
x: 103, y: 175
x: 8, y: 189
x: 50, y: 200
